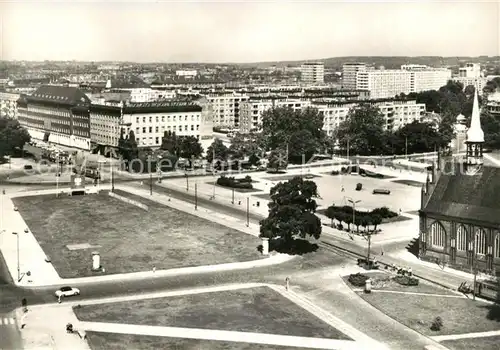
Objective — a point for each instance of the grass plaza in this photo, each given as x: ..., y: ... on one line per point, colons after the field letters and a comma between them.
x: 128, y: 238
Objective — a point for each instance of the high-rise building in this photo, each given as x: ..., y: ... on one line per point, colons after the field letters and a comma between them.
x: 470, y: 70
x: 8, y: 104
x: 312, y: 73
x: 349, y: 71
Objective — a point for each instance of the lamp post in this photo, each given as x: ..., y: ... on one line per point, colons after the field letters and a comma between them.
x: 112, y: 176
x: 248, y: 211
x: 195, y: 196
x: 187, y: 179
x: 18, y: 262
x: 353, y: 202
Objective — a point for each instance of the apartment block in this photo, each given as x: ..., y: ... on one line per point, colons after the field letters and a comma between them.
x: 251, y: 111
x: 349, y: 71
x: 8, y: 104
x: 312, y: 73
x: 470, y: 70
x: 396, y: 113
x: 226, y: 108
x: 150, y: 120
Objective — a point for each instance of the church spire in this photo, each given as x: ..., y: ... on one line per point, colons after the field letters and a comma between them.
x: 475, y: 132
x: 475, y: 136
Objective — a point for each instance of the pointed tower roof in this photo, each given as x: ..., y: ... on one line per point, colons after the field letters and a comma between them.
x: 475, y: 133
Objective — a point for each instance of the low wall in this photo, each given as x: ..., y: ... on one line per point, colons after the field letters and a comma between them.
x: 129, y: 201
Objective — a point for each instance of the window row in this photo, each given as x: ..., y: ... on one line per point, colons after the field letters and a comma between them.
x: 173, y: 128
x: 168, y: 118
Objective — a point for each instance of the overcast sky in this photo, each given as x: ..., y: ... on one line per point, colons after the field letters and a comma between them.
x: 245, y: 31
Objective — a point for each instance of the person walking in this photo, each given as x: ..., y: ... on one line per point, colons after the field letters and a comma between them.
x: 154, y: 268
x: 287, y: 283
x: 59, y: 299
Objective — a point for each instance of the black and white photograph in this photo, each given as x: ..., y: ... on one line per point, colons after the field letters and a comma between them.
x: 249, y: 175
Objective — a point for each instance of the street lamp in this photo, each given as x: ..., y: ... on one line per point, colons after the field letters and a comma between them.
x: 18, y: 258
x: 353, y: 202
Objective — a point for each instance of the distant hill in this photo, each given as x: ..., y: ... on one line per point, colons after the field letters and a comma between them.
x: 386, y: 61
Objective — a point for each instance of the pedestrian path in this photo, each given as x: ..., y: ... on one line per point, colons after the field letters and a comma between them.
x: 412, y: 293
x: 220, y: 335
x: 440, y: 338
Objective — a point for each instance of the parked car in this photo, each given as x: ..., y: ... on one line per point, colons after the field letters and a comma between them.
x: 381, y: 191
x: 359, y: 186
x: 67, y: 292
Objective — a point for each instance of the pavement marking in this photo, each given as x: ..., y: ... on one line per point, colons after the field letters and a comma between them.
x: 6, y: 321
x: 11, y: 321
x: 440, y: 338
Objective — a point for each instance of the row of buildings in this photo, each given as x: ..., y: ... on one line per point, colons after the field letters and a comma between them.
x: 385, y: 83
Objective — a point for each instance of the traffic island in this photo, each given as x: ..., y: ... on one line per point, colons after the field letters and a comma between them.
x: 127, y: 238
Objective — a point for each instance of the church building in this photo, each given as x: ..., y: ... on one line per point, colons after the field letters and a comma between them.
x: 460, y: 207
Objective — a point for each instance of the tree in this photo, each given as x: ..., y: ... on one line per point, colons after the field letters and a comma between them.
x: 332, y: 213
x: 292, y: 211
x: 245, y: 146
x: 281, y: 123
x: 170, y: 143
x: 219, y: 149
x: 302, y: 147
x: 277, y: 160
x: 364, y: 128
x: 376, y: 220
x: 419, y: 137
x: 13, y: 136
x: 189, y: 147
x: 127, y: 146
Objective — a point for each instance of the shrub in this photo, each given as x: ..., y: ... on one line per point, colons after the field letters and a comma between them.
x: 246, y: 179
x: 406, y: 280
x: 437, y: 324
x: 343, y: 170
x: 358, y: 279
x: 335, y: 172
x: 234, y: 183
x: 384, y: 212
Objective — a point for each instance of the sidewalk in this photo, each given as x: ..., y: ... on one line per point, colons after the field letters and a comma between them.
x: 42, y: 273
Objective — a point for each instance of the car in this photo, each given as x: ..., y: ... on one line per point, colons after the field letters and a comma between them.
x: 67, y: 292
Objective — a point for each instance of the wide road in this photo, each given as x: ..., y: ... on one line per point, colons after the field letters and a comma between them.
x: 10, y: 335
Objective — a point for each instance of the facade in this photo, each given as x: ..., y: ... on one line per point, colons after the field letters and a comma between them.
x: 349, y: 71
x: 226, y: 108
x: 493, y: 104
x: 8, y: 104
x: 478, y: 82
x: 460, y: 211
x: 391, y: 82
x: 139, y: 90
x: 251, y: 111
x: 312, y: 73
x: 57, y: 114
x: 150, y: 120
x: 470, y: 70
x: 396, y: 113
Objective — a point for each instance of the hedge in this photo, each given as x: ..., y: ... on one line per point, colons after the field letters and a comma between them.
x: 406, y: 280
x: 245, y: 183
x: 358, y: 279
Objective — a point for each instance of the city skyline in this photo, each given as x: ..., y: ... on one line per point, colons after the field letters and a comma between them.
x: 245, y: 32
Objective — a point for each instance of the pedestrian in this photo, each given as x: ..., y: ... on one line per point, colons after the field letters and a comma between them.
x: 287, y: 283
x: 410, y: 272
x: 342, y: 190
x: 59, y: 299
x: 400, y: 211
x: 23, y: 321
x: 154, y: 268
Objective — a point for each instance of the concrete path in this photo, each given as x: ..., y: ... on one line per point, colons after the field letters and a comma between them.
x: 440, y: 338
x: 55, y: 333
x: 32, y: 257
x: 229, y: 336
x: 412, y: 293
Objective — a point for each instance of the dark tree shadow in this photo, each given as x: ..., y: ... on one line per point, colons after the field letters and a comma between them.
x: 291, y: 247
x: 494, y: 309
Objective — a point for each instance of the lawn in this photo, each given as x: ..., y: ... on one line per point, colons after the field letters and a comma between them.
x: 113, y: 341
x: 459, y: 315
x: 485, y: 343
x: 128, y: 238
x: 384, y: 221
x: 382, y: 281
x: 259, y: 310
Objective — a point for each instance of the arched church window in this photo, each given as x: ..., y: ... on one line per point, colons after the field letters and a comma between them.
x: 438, y: 235
x: 480, y: 242
x: 496, y: 245
x: 461, y: 238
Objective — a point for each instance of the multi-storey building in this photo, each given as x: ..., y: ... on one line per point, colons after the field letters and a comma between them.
x: 349, y: 71
x: 8, y: 104
x: 226, y: 108
x: 391, y: 82
x: 150, y: 120
x: 187, y: 73
x: 470, y: 70
x: 493, y: 104
x: 396, y: 113
x: 139, y: 90
x: 312, y: 73
x: 57, y: 114
x: 251, y: 111
x: 477, y: 82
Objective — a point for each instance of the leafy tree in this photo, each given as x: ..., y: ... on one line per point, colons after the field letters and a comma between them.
x: 364, y: 128
x: 332, y: 213
x: 281, y: 123
x: 277, y: 160
x: 170, y: 143
x: 492, y: 85
x: 376, y: 220
x: 219, y: 149
x: 419, y: 137
x: 189, y: 147
x: 245, y: 146
x: 13, y: 136
x: 491, y: 128
x: 254, y: 159
x: 469, y: 90
x: 302, y: 147
x: 127, y: 146
x: 292, y: 211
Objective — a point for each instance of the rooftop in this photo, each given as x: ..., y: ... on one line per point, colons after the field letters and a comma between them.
x: 59, y: 94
